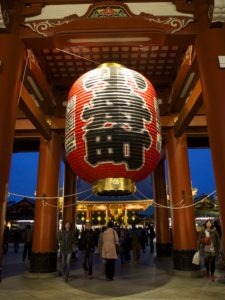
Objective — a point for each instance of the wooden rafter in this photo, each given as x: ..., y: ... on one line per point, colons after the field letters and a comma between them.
x: 34, y: 114
x: 189, y: 110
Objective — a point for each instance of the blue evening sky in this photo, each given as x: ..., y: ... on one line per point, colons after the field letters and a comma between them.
x: 201, y: 168
x: 24, y: 166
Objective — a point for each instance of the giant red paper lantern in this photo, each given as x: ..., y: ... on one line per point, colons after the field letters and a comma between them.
x: 113, y: 135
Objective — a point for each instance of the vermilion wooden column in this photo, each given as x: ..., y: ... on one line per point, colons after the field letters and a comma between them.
x: 12, y: 59
x: 163, y: 235
x: 209, y: 45
x: 184, y: 235
x: 69, y: 207
x: 44, y: 254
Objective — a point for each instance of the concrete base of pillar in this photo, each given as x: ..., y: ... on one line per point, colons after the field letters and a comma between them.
x: 164, y: 250
x: 182, y: 260
x: 43, y: 262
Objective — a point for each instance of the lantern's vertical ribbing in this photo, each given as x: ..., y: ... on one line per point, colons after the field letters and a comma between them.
x: 112, y: 126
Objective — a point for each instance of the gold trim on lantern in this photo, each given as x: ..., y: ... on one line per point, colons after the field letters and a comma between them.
x: 114, y: 186
x: 110, y: 64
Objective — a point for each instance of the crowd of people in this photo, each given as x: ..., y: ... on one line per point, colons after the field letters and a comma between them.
x: 113, y: 242
x: 18, y: 236
x: 108, y: 242
x: 133, y: 241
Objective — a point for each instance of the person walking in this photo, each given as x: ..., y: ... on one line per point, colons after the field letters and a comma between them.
x: 209, y: 247
x: 16, y: 239
x: 127, y: 246
x: 135, y: 236
x: 27, y: 238
x: 109, y: 241
x: 152, y: 235
x: 6, y: 235
x: 66, y: 240
x: 87, y: 246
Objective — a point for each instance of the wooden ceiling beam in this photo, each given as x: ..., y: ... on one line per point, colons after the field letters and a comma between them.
x: 189, y: 110
x: 24, y: 125
x: 154, y: 29
x: 181, y: 76
x: 37, y: 84
x: 34, y: 114
x: 58, y: 124
x: 184, y: 82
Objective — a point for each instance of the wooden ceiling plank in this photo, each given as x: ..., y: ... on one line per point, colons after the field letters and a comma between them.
x: 189, y: 110
x: 34, y: 114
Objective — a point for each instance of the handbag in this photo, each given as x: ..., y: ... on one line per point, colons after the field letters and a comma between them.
x: 196, y: 258
x: 118, y: 247
x: 206, y: 241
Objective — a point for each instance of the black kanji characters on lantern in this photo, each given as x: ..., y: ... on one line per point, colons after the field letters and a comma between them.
x: 116, y: 116
x: 116, y: 145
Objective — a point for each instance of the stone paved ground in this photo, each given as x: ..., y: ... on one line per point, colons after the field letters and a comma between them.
x: 151, y: 279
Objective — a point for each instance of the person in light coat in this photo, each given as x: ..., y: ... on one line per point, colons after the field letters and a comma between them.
x: 109, y: 241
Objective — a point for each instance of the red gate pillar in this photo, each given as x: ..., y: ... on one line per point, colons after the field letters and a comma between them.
x: 69, y: 203
x: 163, y: 235
x: 209, y: 45
x: 44, y: 254
x: 12, y: 63
x: 184, y: 235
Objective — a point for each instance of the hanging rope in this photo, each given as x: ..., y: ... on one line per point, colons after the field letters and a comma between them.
x: 45, y: 197
x: 23, y: 77
x: 45, y: 203
x: 76, y: 55
x: 174, y: 207
x: 179, y: 203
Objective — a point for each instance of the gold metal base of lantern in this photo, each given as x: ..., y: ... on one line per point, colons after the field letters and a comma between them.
x: 110, y: 64
x: 114, y: 187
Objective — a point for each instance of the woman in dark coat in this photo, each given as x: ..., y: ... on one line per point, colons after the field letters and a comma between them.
x: 87, y: 246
